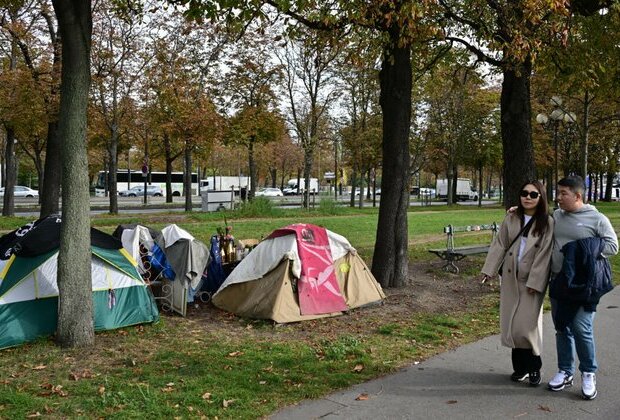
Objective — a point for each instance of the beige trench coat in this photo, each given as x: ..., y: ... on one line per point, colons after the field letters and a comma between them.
x: 521, y: 312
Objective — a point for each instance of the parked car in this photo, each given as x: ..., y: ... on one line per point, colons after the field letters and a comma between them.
x: 21, y: 191
x: 138, y: 191
x: 269, y: 192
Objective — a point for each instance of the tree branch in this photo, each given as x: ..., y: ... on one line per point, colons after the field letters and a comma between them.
x: 476, y: 51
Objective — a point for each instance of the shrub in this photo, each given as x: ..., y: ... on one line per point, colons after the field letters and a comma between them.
x: 328, y: 206
x: 259, y: 207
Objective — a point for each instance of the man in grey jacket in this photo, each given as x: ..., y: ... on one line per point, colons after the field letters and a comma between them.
x: 575, y: 220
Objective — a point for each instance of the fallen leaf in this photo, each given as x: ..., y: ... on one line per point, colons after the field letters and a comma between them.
x: 37, y: 414
x: 58, y: 391
x: 167, y: 389
x: 262, y: 382
x: 544, y: 408
x: 101, y: 390
x: 451, y: 402
x: 39, y: 367
x: 206, y: 396
x: 235, y: 354
x: 268, y: 369
x: 227, y: 403
x: 361, y: 397
x: 170, y: 384
x: 358, y: 368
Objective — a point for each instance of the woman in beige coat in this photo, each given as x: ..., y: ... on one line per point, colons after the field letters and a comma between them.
x: 523, y: 245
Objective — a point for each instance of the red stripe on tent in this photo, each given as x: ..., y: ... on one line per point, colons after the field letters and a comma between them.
x: 318, y: 289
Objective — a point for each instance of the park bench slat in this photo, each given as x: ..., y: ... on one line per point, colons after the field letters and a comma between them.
x: 451, y: 253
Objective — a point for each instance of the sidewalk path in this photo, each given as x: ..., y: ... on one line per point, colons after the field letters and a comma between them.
x: 472, y: 382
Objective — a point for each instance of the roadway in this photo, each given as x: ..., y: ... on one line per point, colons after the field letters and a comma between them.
x: 28, y: 207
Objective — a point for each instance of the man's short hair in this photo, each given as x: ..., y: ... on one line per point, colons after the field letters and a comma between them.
x: 574, y: 183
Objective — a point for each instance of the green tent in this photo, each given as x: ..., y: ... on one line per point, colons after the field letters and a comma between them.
x: 29, y: 292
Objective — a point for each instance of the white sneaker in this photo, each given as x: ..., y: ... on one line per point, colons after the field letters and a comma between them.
x: 560, y: 381
x: 588, y: 385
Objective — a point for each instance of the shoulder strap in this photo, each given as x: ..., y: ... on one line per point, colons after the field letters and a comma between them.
x: 527, y: 225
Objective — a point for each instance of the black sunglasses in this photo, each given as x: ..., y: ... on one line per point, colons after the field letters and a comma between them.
x: 533, y: 194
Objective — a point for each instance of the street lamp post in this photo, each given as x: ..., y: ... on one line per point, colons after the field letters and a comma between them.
x: 557, y: 116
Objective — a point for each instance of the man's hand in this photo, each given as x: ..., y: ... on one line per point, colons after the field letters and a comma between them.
x: 483, y: 278
x: 531, y: 291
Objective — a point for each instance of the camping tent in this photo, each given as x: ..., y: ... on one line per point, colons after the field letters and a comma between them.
x: 268, y: 284
x: 29, y: 291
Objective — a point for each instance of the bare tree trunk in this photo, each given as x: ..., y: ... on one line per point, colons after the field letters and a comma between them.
x: 75, y: 301
x: 308, y: 161
x: 50, y: 194
x: 390, y: 262
x: 273, y: 174
x: 8, y: 202
x: 609, y: 186
x: 353, y: 184
x: 253, y: 171
x: 516, y: 113
x: 187, y: 176
x: 169, y: 160
x: 480, y: 185
x: 112, y: 150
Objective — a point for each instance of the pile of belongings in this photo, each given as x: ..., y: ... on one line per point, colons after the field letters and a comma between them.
x: 171, y: 255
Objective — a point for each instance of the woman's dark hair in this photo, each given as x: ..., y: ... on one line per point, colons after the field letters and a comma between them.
x: 541, y: 217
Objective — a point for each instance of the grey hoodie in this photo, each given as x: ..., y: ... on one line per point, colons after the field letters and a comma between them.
x: 586, y: 222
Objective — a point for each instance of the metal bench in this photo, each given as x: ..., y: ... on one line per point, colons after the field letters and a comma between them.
x: 451, y: 254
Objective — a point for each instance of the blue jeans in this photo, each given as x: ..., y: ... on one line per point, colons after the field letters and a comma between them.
x: 577, y: 336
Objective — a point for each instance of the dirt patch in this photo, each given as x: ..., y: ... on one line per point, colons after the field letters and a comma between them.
x: 429, y: 290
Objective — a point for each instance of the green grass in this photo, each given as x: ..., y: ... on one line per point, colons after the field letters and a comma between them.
x: 188, y: 368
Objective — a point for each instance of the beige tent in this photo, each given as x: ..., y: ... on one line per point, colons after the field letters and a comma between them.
x: 264, y: 284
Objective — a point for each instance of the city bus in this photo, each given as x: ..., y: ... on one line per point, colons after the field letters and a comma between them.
x: 126, y: 180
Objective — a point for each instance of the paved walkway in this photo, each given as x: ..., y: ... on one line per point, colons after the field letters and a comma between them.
x: 472, y: 382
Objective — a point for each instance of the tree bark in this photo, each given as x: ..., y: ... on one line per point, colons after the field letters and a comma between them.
x: 390, y: 259
x: 353, y: 184
x: 169, y: 159
x: 112, y: 150
x: 8, y: 201
x: 609, y: 186
x: 518, y: 154
x: 75, y: 301
x: 52, y: 172
x: 187, y: 176
x: 308, y: 162
x: 253, y: 170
